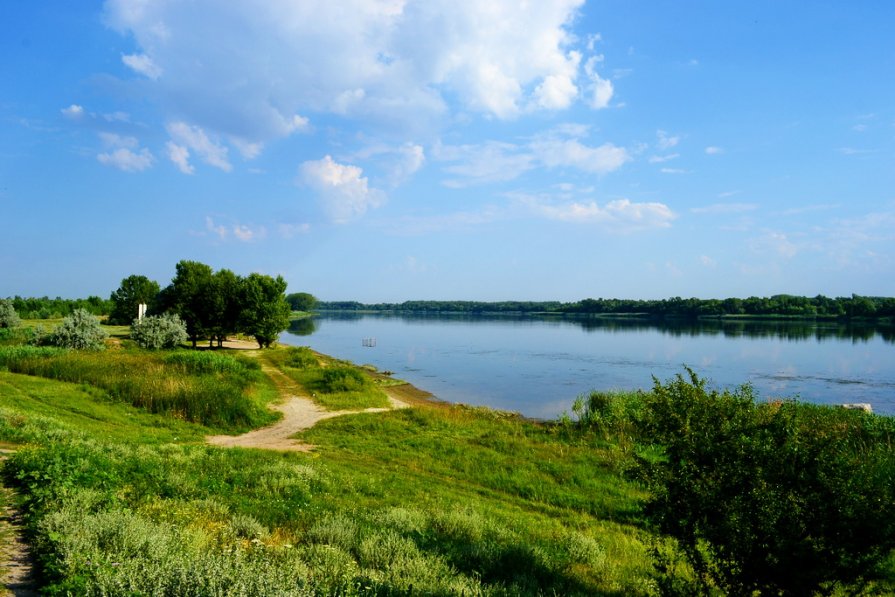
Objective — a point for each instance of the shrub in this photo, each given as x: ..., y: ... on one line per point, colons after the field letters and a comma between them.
x: 301, y: 357
x: 783, y: 498
x: 8, y: 316
x: 80, y: 330
x: 159, y: 331
x: 342, y: 379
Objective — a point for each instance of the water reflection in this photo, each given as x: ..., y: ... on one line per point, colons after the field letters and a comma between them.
x: 302, y: 327
x: 791, y: 330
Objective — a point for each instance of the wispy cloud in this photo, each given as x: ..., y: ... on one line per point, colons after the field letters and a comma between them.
x: 621, y: 215
x: 725, y: 208
x: 124, y: 153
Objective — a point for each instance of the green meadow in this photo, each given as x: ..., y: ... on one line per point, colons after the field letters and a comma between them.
x: 122, y: 496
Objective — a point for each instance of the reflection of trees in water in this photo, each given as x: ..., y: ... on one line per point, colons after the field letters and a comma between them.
x: 302, y: 327
x: 788, y: 330
x: 794, y: 330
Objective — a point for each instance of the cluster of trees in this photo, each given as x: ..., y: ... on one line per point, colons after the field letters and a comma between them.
x: 212, y: 304
x: 675, y: 307
x: 47, y: 308
x: 780, y: 304
x: 445, y: 306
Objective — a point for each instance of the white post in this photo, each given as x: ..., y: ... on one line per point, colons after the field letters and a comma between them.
x: 141, y: 311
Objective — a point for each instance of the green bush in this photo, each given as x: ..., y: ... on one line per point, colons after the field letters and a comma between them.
x: 159, y: 331
x: 781, y: 498
x: 81, y: 331
x: 341, y: 379
x: 301, y: 357
x: 8, y: 316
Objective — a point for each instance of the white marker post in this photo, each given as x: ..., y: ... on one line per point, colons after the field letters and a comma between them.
x: 141, y: 311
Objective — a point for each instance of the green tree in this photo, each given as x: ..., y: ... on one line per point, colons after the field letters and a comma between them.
x: 134, y: 290
x: 265, y: 312
x: 224, y: 307
x: 780, y: 498
x: 302, y: 301
x: 8, y: 316
x: 188, y: 295
x: 80, y: 330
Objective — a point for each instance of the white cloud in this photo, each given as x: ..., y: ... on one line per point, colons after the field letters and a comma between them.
x: 180, y: 156
x: 240, y: 232
x: 74, y: 112
x: 343, y: 189
x: 142, y: 64
x: 218, y: 229
x: 673, y: 171
x: 399, y: 63
x: 195, y: 139
x: 292, y: 230
x: 127, y: 160
x: 124, y: 153
x: 398, y: 162
x: 601, y: 89
x: 619, y: 214
x: 707, y: 261
x: 495, y: 161
x: 725, y: 208
x: 774, y: 242
x: 571, y: 152
x: 665, y: 141
x: 482, y: 164
x: 659, y: 159
x: 712, y: 150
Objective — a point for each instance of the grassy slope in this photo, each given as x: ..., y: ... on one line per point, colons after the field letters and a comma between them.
x: 443, y: 499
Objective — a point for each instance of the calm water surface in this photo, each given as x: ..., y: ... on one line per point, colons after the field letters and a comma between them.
x: 538, y: 367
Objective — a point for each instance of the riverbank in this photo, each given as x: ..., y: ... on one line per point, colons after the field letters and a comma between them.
x: 445, y: 498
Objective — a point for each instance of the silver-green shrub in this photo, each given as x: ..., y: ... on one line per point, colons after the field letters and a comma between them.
x: 80, y: 330
x: 159, y: 331
x: 8, y: 316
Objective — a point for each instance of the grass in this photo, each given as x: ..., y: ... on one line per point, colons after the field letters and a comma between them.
x: 437, y: 499
x: 211, y: 389
x: 433, y: 500
x: 333, y: 384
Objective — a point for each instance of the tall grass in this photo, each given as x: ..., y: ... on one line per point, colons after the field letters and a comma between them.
x: 199, y: 387
x: 335, y: 385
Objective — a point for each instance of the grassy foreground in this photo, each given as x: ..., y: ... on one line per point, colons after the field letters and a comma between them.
x: 122, y: 497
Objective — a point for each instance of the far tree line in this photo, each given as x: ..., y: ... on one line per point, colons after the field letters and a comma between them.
x: 212, y: 304
x: 786, y: 305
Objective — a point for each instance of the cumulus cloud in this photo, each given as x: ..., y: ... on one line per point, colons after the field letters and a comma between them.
x: 394, y: 62
x: 124, y: 153
x: 342, y: 188
x: 186, y: 138
x: 571, y: 152
x: 712, y: 150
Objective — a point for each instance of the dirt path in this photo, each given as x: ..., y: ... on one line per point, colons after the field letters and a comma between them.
x: 16, y: 573
x: 299, y: 413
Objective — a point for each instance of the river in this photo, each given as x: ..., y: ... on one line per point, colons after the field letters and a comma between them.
x: 538, y: 366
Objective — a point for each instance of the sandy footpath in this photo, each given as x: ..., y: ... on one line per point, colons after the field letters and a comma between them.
x: 16, y: 573
x: 299, y: 413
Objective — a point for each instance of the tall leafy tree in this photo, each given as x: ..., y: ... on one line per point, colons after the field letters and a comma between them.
x: 188, y: 296
x: 265, y: 312
x: 224, y: 305
x: 302, y: 301
x: 134, y: 290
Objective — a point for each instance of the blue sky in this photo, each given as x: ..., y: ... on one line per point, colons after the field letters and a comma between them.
x: 405, y: 149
